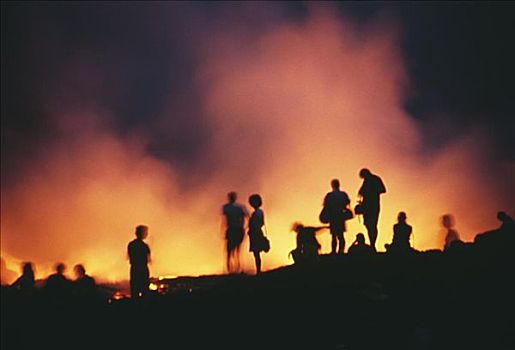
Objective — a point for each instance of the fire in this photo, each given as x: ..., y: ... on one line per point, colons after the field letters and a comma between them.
x: 288, y: 111
x: 160, y: 278
x: 117, y: 296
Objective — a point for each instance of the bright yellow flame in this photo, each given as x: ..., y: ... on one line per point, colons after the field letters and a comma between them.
x: 160, y: 278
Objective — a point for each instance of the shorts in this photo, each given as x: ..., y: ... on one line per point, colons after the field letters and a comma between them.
x: 234, y: 238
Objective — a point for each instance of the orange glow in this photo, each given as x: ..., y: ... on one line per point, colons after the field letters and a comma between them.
x: 160, y: 278
x: 118, y: 296
x: 289, y: 111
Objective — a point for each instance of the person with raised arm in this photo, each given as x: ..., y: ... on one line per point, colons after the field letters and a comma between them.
x: 308, y: 247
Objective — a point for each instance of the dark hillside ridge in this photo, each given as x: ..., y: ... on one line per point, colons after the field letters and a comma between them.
x: 458, y: 299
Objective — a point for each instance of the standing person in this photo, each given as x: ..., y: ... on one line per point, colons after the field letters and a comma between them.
x: 139, y: 258
x: 369, y: 192
x: 256, y: 222
x: 335, y: 203
x: 234, y: 215
x: 451, y: 234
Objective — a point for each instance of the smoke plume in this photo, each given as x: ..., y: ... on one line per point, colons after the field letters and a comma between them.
x: 278, y: 112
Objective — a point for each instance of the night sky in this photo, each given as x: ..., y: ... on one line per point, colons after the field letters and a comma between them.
x: 130, y: 58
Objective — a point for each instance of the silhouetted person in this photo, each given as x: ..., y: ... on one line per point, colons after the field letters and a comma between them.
x: 401, y: 235
x: 26, y: 282
x: 85, y: 285
x: 507, y: 223
x: 335, y: 203
x: 139, y: 258
x: 451, y: 234
x: 499, y: 241
x: 370, y: 192
x: 234, y: 215
x: 57, y: 283
x: 256, y: 222
x: 308, y: 247
x: 359, y: 248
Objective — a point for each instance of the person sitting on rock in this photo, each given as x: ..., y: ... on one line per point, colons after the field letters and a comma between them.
x: 359, y: 247
x: 401, y: 236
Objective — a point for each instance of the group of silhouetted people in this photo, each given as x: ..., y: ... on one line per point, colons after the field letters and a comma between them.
x: 336, y: 211
x: 57, y: 284
x: 235, y: 218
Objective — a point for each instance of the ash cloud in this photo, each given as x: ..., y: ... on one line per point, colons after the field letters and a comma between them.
x: 148, y: 114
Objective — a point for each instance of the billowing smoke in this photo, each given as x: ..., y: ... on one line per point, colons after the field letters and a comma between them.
x: 6, y: 275
x: 286, y: 110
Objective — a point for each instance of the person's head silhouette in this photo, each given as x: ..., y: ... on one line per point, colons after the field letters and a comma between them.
x: 231, y: 196
x: 60, y: 268
x: 141, y: 232
x: 297, y: 226
x: 503, y: 217
x: 335, y: 184
x: 255, y: 201
x: 364, y: 173
x: 447, y: 221
x: 360, y: 238
x: 28, y: 269
x: 402, y: 217
x: 80, y: 271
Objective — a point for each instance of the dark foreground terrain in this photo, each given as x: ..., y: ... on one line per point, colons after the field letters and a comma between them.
x: 463, y: 299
